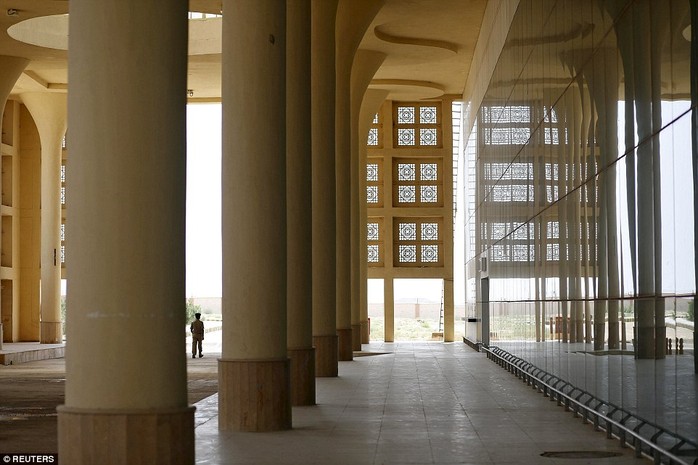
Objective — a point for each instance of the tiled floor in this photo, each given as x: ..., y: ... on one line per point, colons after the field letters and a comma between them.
x: 418, y: 403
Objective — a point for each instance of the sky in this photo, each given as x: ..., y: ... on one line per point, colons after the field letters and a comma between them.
x: 204, y: 200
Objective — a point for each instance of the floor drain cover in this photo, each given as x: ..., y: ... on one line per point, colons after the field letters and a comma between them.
x: 581, y: 454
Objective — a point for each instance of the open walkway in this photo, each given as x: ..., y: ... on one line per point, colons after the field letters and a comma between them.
x: 416, y: 403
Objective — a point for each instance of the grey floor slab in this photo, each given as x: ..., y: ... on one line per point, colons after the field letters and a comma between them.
x: 417, y: 403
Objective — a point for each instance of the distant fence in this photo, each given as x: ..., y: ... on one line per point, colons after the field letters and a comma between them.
x: 208, y: 328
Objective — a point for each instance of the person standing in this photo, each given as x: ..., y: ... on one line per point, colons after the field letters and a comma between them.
x: 197, y: 336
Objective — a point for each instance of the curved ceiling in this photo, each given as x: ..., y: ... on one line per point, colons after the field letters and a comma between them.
x: 428, y: 45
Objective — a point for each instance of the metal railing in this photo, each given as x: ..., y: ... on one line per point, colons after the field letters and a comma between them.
x: 647, y: 438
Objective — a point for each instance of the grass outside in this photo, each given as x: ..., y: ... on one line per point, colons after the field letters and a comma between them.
x: 409, y: 329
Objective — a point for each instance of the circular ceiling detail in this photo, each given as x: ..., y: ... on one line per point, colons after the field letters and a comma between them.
x: 415, y: 48
x: 404, y: 89
x: 205, y: 33
x: 43, y: 31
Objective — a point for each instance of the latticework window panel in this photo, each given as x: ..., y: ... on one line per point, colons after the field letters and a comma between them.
x: 417, y: 182
x: 417, y: 125
x: 418, y: 242
x: 374, y: 139
x: 375, y: 252
x: 374, y: 182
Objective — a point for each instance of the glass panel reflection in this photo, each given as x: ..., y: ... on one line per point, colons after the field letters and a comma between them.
x: 581, y: 211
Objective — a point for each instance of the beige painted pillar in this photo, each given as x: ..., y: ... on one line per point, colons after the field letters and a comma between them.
x: 322, y: 78
x: 389, y: 309
x: 449, y: 310
x: 299, y: 204
x: 447, y: 284
x: 365, y: 65
x: 126, y: 392
x: 353, y: 17
x: 49, y: 112
x: 343, y: 189
x: 372, y: 100
x: 254, y: 219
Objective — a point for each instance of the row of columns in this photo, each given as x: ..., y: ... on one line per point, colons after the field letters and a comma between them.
x: 49, y: 113
x: 589, y: 112
x: 125, y: 367
x: 127, y: 194
x: 353, y: 18
x: 10, y: 70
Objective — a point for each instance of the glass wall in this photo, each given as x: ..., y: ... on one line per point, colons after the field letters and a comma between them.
x: 580, y: 233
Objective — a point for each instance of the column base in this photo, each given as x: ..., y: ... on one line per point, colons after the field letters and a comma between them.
x: 356, y: 337
x: 254, y: 395
x: 599, y: 336
x: 87, y: 436
x: 51, y: 332
x: 659, y: 348
x: 365, y: 332
x: 344, y: 345
x: 580, y: 330
x: 613, y: 335
x: 302, y: 362
x: 326, y: 356
x: 645, y: 343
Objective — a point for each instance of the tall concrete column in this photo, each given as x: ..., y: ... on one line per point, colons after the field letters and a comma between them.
x: 560, y: 159
x: 343, y: 169
x: 253, y: 372
x: 373, y: 98
x: 343, y: 166
x: 449, y: 313
x: 353, y: 17
x: 389, y: 309
x: 601, y: 75
x: 603, y: 83
x: 647, y: 55
x: 623, y: 26
x: 586, y: 218
x: 126, y: 392
x: 573, y: 109
x: 642, y: 32
x: 299, y: 204
x: 581, y: 123
x: 322, y: 77
x: 365, y: 65
x: 49, y: 112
